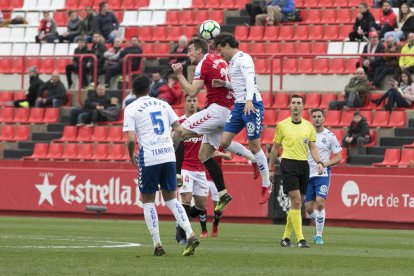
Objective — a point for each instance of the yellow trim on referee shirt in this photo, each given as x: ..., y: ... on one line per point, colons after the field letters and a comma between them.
x: 294, y: 138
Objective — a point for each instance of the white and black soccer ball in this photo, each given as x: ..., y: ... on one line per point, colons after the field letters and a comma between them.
x: 209, y: 29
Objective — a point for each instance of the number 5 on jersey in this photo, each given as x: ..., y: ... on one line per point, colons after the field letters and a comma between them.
x: 157, y: 123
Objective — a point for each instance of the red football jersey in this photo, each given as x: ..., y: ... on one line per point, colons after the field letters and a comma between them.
x: 211, y: 67
x: 191, y: 149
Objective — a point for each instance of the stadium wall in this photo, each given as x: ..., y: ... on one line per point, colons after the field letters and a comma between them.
x: 356, y: 194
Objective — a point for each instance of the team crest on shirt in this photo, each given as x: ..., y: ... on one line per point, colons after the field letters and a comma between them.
x: 324, y: 141
x: 250, y: 127
x: 306, y: 141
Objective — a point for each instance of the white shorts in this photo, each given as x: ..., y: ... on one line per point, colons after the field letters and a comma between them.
x: 194, y: 182
x: 208, y: 122
x: 213, y: 191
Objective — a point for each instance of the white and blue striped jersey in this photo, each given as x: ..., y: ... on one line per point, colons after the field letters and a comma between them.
x: 326, y: 143
x: 243, y: 78
x: 151, y: 119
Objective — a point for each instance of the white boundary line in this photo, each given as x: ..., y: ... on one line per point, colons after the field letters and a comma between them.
x: 106, y: 244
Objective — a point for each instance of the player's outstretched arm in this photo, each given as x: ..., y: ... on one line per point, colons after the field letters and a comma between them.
x: 191, y: 89
x: 131, y: 147
x: 176, y: 135
x: 315, y: 155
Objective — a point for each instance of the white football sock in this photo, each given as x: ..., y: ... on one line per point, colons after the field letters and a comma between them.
x: 263, y: 167
x: 151, y: 219
x: 319, y: 221
x: 312, y: 216
x: 180, y: 216
x: 239, y: 149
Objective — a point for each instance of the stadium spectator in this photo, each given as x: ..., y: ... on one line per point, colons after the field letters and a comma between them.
x: 181, y: 48
x: 390, y: 64
x: 74, y: 67
x: 55, y: 95
x: 403, y: 15
x: 156, y: 83
x: 355, y: 92
x: 388, y: 20
x: 276, y: 12
x: 110, y: 113
x: 134, y: 48
x: 47, y: 31
x: 255, y: 8
x: 363, y: 23
x: 98, y: 100
x: 406, y: 62
x: 87, y: 27
x: 358, y: 133
x: 128, y: 99
x: 399, y: 95
x: 98, y: 49
x: 106, y: 23
x: 171, y: 91
x: 370, y: 64
x: 17, y: 20
x: 73, y: 28
x: 31, y: 94
x: 112, y: 58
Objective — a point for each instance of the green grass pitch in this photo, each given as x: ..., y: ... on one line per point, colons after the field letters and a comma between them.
x: 51, y: 246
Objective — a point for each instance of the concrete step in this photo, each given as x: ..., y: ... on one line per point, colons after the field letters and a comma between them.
x: 29, y: 145
x: 16, y: 153
x: 47, y: 136
x: 376, y: 150
x: 411, y: 123
x: 228, y: 28
x: 237, y: 20
x: 56, y: 127
x: 364, y: 159
x: 404, y: 132
x: 395, y: 141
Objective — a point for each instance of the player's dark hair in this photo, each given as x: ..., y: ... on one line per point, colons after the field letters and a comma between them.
x: 298, y: 97
x: 188, y: 96
x: 141, y: 86
x: 365, y: 5
x: 199, y: 44
x: 318, y: 110
x: 226, y: 38
x: 101, y: 5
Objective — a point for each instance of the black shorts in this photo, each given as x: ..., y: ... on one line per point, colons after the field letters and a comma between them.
x: 295, y: 175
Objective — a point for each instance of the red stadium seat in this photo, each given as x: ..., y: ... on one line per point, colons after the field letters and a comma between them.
x: 407, y: 158
x: 189, y: 31
x: 346, y: 118
x: 301, y: 32
x: 201, y: 16
x: 273, y: 48
x: 148, y: 48
x: 21, y: 115
x: 100, y: 134
x: 72, y: 4
x: 61, y: 18
x: 39, y: 151
x: 51, y: 115
x: 113, y: 5
x: 258, y: 48
x: 163, y: 48
x: 70, y: 151
x: 288, y: 48
x: 391, y: 158
x: 100, y: 152
x: 7, y: 133
x: 331, y: 32
x: 30, y: 62
x: 367, y: 114
x: 55, y: 151
x: 270, y: 117
x: 4, y: 5
x: 267, y: 99
x: 299, y: 3
x: 255, y: 33
x: 305, y: 66
x: 325, y: 4
x: 337, y: 66
x: 312, y: 3
x: 229, y: 4
x: 7, y: 115
x: 6, y: 96
x: 397, y: 119
x: 282, y: 114
x: 20, y: 95
x: 36, y: 115
x: 47, y: 66
x: 240, y: 4
x: 344, y: 16
x: 5, y: 65
x: 270, y: 33
x: 321, y: 66
x: 85, y: 3
x: 381, y: 119
x: 342, y: 3
x: 17, y: 66
x: 84, y: 134
x: 319, y: 48
x: 217, y: 15
x: 85, y: 152
x: 173, y: 17
x: 314, y: 16
x: 345, y: 30
x: 144, y: 33
x: 275, y: 63
x: 131, y: 4
x: 244, y: 47
x: 351, y: 66
x: 187, y: 17
x: 61, y: 64
x: 303, y: 48
x: 116, y: 152
x: 286, y: 32
x: 22, y: 133
x: 329, y: 16
x: 268, y: 135
x: 281, y: 100
x: 115, y: 134
x: 338, y: 132
x: 69, y: 134
x: 312, y: 100
x: 241, y: 32
x: 373, y: 135
x: 290, y: 66
x: 316, y: 32
x: 213, y: 4
x: 261, y: 66
x: 174, y: 33
x: 198, y: 4
x: 332, y: 117
x: 119, y: 15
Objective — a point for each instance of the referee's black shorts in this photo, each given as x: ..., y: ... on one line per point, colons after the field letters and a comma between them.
x: 295, y: 175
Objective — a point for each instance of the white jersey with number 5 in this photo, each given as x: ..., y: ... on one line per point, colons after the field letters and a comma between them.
x: 326, y: 144
x: 243, y: 77
x: 151, y: 119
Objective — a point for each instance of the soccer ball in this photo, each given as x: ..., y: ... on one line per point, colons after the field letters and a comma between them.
x: 209, y: 29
